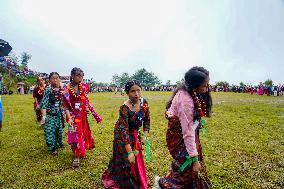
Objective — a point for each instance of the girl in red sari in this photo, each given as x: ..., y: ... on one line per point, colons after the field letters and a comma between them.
x: 38, y: 95
x: 78, y: 107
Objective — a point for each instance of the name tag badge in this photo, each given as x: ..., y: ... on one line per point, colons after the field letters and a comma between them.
x: 56, y: 104
x: 77, y: 106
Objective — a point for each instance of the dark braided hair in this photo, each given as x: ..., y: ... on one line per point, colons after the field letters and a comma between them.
x: 130, y: 83
x: 193, y: 78
x: 53, y: 73
x: 75, y: 71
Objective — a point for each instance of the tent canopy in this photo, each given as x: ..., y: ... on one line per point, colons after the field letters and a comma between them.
x: 5, y: 48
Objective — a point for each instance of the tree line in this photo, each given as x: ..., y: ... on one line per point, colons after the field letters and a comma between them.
x: 267, y: 82
x: 146, y: 78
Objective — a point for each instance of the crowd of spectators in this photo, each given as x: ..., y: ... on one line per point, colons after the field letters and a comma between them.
x: 8, y: 63
x: 261, y: 89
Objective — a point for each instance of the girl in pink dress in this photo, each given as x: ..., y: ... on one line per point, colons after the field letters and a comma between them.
x: 190, y: 102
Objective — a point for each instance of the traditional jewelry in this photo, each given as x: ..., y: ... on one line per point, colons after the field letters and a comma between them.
x: 57, y: 97
x: 140, y: 112
x: 41, y: 91
x: 200, y: 106
x: 73, y: 91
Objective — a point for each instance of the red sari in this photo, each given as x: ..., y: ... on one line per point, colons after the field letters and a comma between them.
x: 80, y: 139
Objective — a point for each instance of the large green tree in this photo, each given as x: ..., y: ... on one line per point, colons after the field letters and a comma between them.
x: 25, y: 58
x: 222, y: 83
x: 120, y: 80
x: 124, y: 78
x: 115, y: 80
x: 142, y: 75
x: 268, y: 82
x: 146, y: 78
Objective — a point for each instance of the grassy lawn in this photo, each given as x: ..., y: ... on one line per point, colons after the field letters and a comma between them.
x: 243, y: 146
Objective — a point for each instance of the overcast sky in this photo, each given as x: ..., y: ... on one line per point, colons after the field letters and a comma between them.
x: 236, y: 40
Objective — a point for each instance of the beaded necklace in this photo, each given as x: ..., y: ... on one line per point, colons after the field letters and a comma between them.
x: 201, y: 110
x: 41, y: 91
x: 140, y: 112
x: 73, y: 91
x: 57, y: 97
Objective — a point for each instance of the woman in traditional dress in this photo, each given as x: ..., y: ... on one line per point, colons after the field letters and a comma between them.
x: 260, y: 89
x: 189, y: 103
x: 78, y: 107
x: 126, y: 168
x: 38, y: 95
x: 52, y: 113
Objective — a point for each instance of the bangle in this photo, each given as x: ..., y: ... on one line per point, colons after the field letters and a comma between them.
x: 133, y: 152
x: 44, y: 116
x: 194, y: 159
x: 189, y: 160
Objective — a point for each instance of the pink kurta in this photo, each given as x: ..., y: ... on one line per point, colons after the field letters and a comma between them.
x: 182, y: 107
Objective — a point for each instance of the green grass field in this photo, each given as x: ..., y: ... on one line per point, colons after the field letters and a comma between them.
x: 243, y: 147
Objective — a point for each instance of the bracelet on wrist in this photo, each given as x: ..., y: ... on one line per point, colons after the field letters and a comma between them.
x: 134, y: 152
x: 194, y: 159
